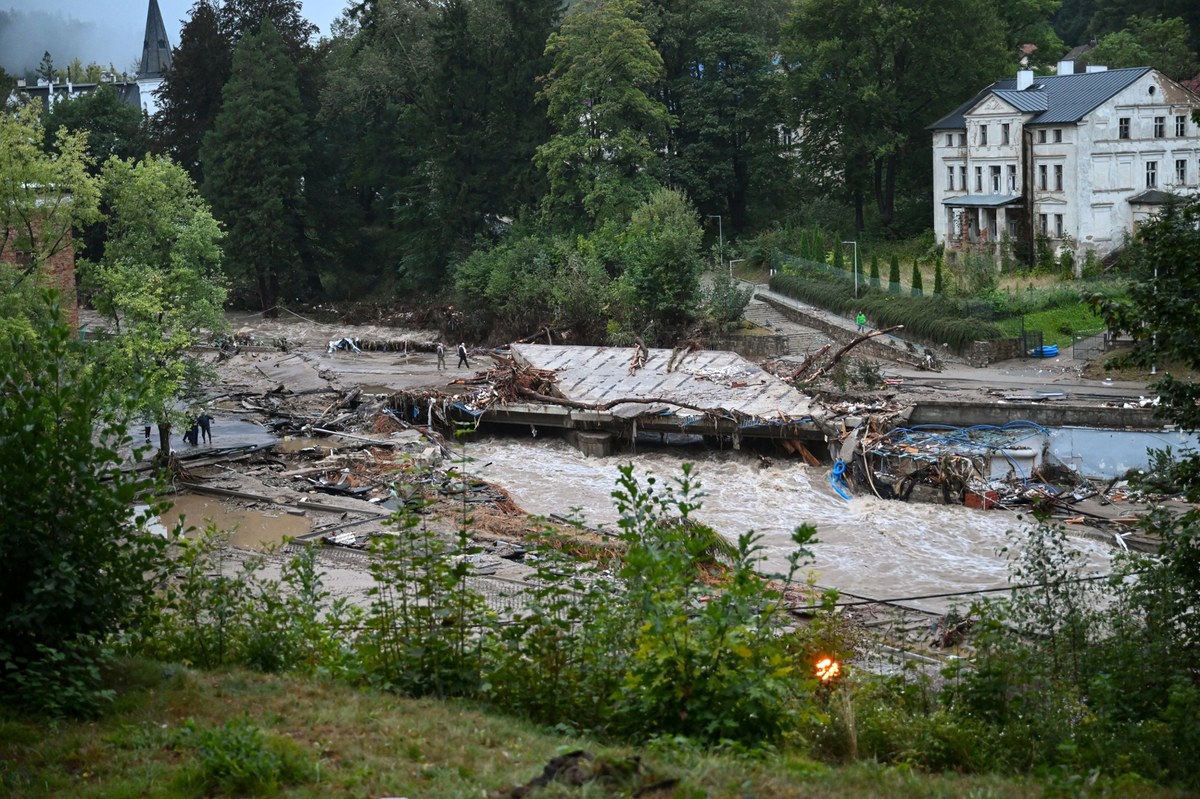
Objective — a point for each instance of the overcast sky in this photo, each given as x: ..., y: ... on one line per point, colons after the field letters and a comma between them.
x: 110, y: 31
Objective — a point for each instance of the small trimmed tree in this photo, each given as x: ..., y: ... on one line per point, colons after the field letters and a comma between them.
x: 938, y: 286
x: 917, y: 288
x: 894, y: 275
x: 874, y: 270
x: 839, y: 260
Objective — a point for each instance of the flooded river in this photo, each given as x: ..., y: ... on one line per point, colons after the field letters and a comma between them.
x: 867, y: 546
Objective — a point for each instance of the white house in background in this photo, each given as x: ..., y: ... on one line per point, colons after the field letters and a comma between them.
x: 1081, y: 158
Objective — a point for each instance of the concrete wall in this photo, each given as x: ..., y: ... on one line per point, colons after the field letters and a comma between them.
x: 1112, y: 453
x: 1047, y: 414
x: 751, y: 346
x: 875, y: 347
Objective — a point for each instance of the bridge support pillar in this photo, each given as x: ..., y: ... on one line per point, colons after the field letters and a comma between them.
x: 592, y: 444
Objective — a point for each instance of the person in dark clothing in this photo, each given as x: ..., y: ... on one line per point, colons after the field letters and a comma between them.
x: 441, y: 355
x: 462, y: 356
x: 205, y: 423
x: 192, y: 436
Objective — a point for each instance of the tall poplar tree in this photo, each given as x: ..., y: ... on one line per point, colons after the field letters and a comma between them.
x: 254, y: 167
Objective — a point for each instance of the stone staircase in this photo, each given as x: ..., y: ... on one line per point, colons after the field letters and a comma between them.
x: 800, y: 339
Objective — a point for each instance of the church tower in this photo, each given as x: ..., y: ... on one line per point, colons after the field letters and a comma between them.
x: 156, y: 59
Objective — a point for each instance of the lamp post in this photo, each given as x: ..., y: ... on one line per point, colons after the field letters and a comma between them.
x: 855, y: 245
x: 720, y: 236
x: 731, y: 263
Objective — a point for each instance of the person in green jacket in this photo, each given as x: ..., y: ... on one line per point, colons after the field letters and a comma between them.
x: 861, y: 321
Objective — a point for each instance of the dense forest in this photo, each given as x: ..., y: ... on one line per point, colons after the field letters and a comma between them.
x: 541, y: 162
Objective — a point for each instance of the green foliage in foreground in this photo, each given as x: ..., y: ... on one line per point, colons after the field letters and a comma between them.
x: 75, y: 559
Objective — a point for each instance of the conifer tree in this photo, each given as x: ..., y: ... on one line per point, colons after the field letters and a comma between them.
x: 894, y: 275
x: 254, y: 160
x: 938, y: 287
x: 917, y: 289
x: 874, y: 270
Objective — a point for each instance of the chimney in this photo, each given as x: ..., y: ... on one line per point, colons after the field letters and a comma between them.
x: 1024, y: 79
x: 1066, y: 67
x: 1096, y: 68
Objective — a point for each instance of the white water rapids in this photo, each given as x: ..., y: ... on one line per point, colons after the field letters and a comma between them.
x: 869, y: 547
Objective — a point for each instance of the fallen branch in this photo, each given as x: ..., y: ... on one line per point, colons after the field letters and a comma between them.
x: 837, y: 356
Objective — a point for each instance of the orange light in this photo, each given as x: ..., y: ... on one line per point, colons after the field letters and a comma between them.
x: 827, y: 669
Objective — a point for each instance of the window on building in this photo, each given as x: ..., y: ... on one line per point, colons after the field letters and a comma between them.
x: 1180, y: 125
x: 1058, y: 226
x: 979, y: 180
x: 1123, y: 128
x: 962, y: 140
x: 1058, y: 177
x: 1181, y: 171
x: 1160, y: 127
x: 1058, y: 135
x: 1151, y: 174
x: 983, y: 135
x: 1011, y: 224
x: 1012, y: 178
x: 1004, y: 129
x: 1043, y: 181
x: 995, y: 176
x: 1043, y: 224
x: 1042, y: 136
x: 950, y: 177
x: 962, y: 178
x: 949, y: 139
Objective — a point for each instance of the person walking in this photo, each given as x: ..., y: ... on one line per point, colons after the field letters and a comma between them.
x: 861, y: 321
x: 441, y: 355
x: 462, y: 355
x: 205, y: 422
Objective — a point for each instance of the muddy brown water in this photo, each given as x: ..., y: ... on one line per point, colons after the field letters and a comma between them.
x: 250, y: 528
x: 869, y: 547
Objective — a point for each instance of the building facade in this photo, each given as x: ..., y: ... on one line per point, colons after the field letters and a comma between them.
x: 1077, y: 158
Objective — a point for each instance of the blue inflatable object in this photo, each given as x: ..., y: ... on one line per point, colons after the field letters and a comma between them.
x: 1047, y: 351
x: 837, y: 479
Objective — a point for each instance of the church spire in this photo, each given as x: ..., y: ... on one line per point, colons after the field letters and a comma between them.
x: 156, y: 51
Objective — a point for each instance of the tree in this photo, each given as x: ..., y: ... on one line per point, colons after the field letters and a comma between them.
x: 864, y: 83
x: 74, y: 559
x: 938, y: 286
x: 44, y: 196
x: 916, y: 287
x: 875, y: 270
x: 894, y: 275
x: 113, y: 126
x: 1149, y: 42
x: 45, y: 70
x: 660, y: 252
x: 190, y: 96
x: 722, y: 89
x: 254, y: 166
x: 159, y: 284
x: 603, y: 157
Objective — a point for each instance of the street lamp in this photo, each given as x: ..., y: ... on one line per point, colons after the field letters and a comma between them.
x: 855, y: 245
x: 720, y: 235
x: 731, y: 263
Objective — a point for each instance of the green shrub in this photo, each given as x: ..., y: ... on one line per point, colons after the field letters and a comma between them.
x: 874, y: 270
x: 938, y: 284
x: 239, y: 759
x: 74, y: 560
x: 917, y: 287
x: 894, y: 275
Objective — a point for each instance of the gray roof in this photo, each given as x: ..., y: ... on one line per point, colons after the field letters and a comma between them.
x: 1053, y: 99
x: 1154, y: 197
x: 982, y: 200
x: 156, y: 50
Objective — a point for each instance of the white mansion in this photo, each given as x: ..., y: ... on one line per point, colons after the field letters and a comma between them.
x: 1081, y: 158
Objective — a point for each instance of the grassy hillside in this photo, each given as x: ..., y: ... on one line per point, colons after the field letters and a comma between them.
x: 176, y: 732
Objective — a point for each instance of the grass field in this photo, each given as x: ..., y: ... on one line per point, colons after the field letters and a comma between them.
x: 176, y: 732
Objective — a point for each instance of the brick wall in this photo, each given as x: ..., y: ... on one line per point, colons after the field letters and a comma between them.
x: 59, y: 272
